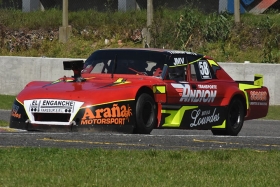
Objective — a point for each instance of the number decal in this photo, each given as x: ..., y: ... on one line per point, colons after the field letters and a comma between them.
x: 204, y: 70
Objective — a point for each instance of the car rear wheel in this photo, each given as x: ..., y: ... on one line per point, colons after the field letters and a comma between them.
x: 234, y: 119
x: 145, y: 114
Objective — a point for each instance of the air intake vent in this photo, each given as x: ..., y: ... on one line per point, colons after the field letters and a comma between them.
x: 52, y: 117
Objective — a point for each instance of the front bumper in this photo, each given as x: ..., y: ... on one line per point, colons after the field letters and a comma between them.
x: 108, y: 117
x: 71, y: 128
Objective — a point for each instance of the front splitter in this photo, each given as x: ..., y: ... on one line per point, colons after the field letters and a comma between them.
x: 127, y: 129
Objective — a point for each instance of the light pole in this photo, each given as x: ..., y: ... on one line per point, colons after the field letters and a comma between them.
x: 237, y: 11
x: 65, y: 30
x: 146, y: 31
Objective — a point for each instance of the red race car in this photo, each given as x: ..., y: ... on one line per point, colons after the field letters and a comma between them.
x: 138, y: 90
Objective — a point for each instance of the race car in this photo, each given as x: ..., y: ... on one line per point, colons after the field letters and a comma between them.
x: 137, y: 90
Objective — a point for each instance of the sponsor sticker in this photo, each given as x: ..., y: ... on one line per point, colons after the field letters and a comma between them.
x: 181, y: 52
x: 203, y: 117
x: 207, y: 86
x: 187, y: 94
x: 258, y: 95
x: 178, y: 61
x: 51, y: 106
x: 258, y: 98
x: 259, y: 103
x: 114, y: 114
x: 14, y: 112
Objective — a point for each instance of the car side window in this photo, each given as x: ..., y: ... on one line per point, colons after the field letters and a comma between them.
x: 177, y: 73
x: 193, y: 72
x: 177, y: 69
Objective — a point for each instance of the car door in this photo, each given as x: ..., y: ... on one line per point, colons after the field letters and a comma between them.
x: 175, y: 78
x: 197, y: 86
x: 196, y: 100
x: 205, y: 88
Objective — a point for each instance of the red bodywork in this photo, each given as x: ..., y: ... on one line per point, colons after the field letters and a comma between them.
x: 189, y: 91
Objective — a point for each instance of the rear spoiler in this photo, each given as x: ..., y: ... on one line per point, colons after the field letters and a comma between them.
x: 258, y: 80
x: 73, y: 65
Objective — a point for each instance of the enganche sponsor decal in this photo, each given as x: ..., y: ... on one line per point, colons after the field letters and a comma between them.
x: 207, y: 93
x: 56, y: 106
x: 115, y: 114
x: 51, y: 106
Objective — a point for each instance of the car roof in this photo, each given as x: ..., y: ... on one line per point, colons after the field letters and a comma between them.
x: 169, y: 51
x: 160, y: 56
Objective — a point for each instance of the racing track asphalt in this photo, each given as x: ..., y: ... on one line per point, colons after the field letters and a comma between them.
x: 255, y: 134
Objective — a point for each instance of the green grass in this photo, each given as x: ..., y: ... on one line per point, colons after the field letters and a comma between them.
x: 6, y: 102
x: 273, y: 113
x: 98, y: 167
x: 4, y: 123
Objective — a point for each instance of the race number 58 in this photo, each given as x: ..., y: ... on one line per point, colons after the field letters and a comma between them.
x: 204, y: 69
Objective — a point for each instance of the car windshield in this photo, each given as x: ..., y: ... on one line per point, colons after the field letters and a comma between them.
x: 125, y: 62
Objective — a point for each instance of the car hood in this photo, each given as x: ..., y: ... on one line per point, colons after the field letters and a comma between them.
x: 94, y: 90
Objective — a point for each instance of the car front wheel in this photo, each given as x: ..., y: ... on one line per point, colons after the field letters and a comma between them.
x: 145, y: 114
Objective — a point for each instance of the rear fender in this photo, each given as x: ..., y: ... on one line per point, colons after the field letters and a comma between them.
x: 257, y: 97
x: 258, y: 101
x: 231, y: 93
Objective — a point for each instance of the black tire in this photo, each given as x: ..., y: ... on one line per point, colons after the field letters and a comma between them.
x: 145, y: 114
x: 234, y: 119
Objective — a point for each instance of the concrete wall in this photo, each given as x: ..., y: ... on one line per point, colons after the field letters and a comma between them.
x: 30, y: 5
x: 16, y: 72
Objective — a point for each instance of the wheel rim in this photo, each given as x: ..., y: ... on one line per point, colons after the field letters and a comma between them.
x: 235, y: 116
